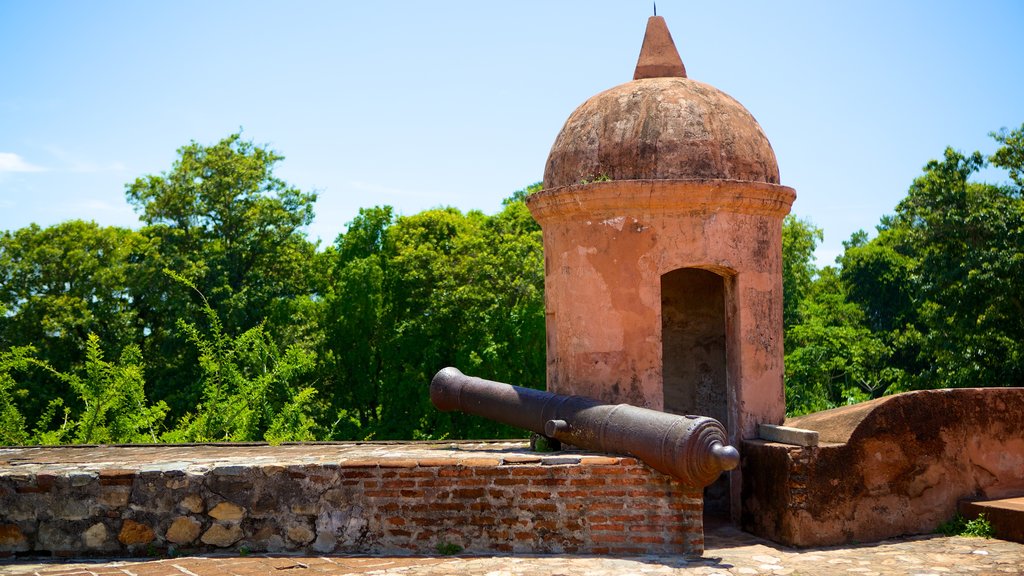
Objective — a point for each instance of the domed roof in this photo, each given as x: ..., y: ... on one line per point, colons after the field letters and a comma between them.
x: 661, y: 126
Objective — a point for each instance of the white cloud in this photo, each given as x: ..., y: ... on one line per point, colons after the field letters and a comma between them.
x: 10, y: 162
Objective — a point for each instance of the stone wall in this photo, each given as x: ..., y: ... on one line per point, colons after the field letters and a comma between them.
x: 339, y: 498
x: 892, y: 466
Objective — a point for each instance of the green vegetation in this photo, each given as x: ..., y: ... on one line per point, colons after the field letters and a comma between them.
x: 980, y: 527
x: 448, y: 549
x: 218, y: 320
x: 934, y: 300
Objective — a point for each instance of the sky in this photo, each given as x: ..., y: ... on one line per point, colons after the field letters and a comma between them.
x: 453, y: 103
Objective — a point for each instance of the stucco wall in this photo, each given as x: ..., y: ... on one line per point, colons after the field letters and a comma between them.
x: 607, y: 245
x: 892, y: 466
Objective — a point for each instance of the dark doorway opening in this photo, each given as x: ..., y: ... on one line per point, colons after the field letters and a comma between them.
x: 694, y: 374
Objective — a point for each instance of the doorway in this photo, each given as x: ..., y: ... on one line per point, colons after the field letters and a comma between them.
x: 693, y: 340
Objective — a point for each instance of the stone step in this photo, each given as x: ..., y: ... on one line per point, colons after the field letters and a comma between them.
x: 1006, y: 515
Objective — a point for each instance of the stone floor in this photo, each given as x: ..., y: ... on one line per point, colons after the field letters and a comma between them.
x: 728, y: 551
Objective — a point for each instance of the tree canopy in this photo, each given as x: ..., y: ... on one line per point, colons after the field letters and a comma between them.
x: 217, y: 319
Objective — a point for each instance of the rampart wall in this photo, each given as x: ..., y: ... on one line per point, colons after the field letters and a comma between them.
x: 420, y: 498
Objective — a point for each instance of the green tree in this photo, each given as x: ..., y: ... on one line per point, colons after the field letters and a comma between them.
x: 222, y: 219
x: 60, y: 284
x: 357, y: 323
x: 413, y: 294
x: 832, y: 358
x: 799, y: 239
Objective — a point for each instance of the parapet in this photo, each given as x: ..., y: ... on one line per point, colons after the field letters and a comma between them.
x: 394, y: 498
x: 884, y: 468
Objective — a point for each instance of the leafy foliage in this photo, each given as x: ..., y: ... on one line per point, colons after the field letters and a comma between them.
x: 250, y: 390
x: 258, y: 334
x: 933, y: 300
x: 979, y: 527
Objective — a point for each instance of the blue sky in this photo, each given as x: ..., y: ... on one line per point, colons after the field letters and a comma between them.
x: 423, y: 104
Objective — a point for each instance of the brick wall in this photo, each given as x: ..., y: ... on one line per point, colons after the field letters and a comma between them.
x: 398, y: 499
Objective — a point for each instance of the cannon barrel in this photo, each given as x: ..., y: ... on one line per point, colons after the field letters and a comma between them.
x: 693, y: 449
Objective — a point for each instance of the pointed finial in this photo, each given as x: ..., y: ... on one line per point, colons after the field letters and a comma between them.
x: 658, y: 55
x: 655, y: 8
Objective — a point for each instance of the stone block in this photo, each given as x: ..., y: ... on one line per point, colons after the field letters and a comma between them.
x: 787, y: 435
x: 57, y: 536
x: 97, y: 537
x: 12, y: 539
x: 135, y: 533
x: 192, y: 503
x: 300, y: 533
x: 227, y: 512
x: 184, y: 530
x: 222, y: 535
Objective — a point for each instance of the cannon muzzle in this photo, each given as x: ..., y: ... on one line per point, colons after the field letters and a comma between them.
x: 694, y: 449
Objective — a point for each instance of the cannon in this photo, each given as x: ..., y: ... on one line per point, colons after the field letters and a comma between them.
x: 693, y: 449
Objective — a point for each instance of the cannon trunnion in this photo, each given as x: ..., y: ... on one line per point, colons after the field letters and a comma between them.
x: 693, y: 449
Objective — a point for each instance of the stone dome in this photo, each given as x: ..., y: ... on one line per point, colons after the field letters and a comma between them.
x: 661, y: 126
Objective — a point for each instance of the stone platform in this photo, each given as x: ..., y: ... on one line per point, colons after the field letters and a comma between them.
x: 394, y: 498
x: 728, y: 552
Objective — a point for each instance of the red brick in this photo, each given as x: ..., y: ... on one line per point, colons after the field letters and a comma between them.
x: 466, y: 493
x: 358, y: 473
x: 530, y: 471
x: 608, y: 538
x: 446, y: 506
x: 547, y: 507
x: 547, y: 482
x: 411, y: 493
x: 607, y: 527
x: 420, y: 473
x: 380, y: 493
x: 608, y: 470
x: 490, y: 472
x: 628, y: 518
x: 601, y: 460
x: 618, y: 505
x: 480, y: 462
x: 588, y: 482
x: 571, y: 494
x: 511, y: 481
x: 627, y: 550
x: 608, y: 494
x: 360, y: 463
x: 454, y: 472
x: 646, y: 539
x: 399, y: 463
x: 536, y: 495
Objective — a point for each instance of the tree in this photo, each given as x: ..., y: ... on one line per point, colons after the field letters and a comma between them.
x: 60, y: 284
x: 799, y: 239
x: 222, y: 219
x: 357, y: 323
x: 413, y: 294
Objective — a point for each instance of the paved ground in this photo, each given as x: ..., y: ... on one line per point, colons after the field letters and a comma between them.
x: 728, y: 551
